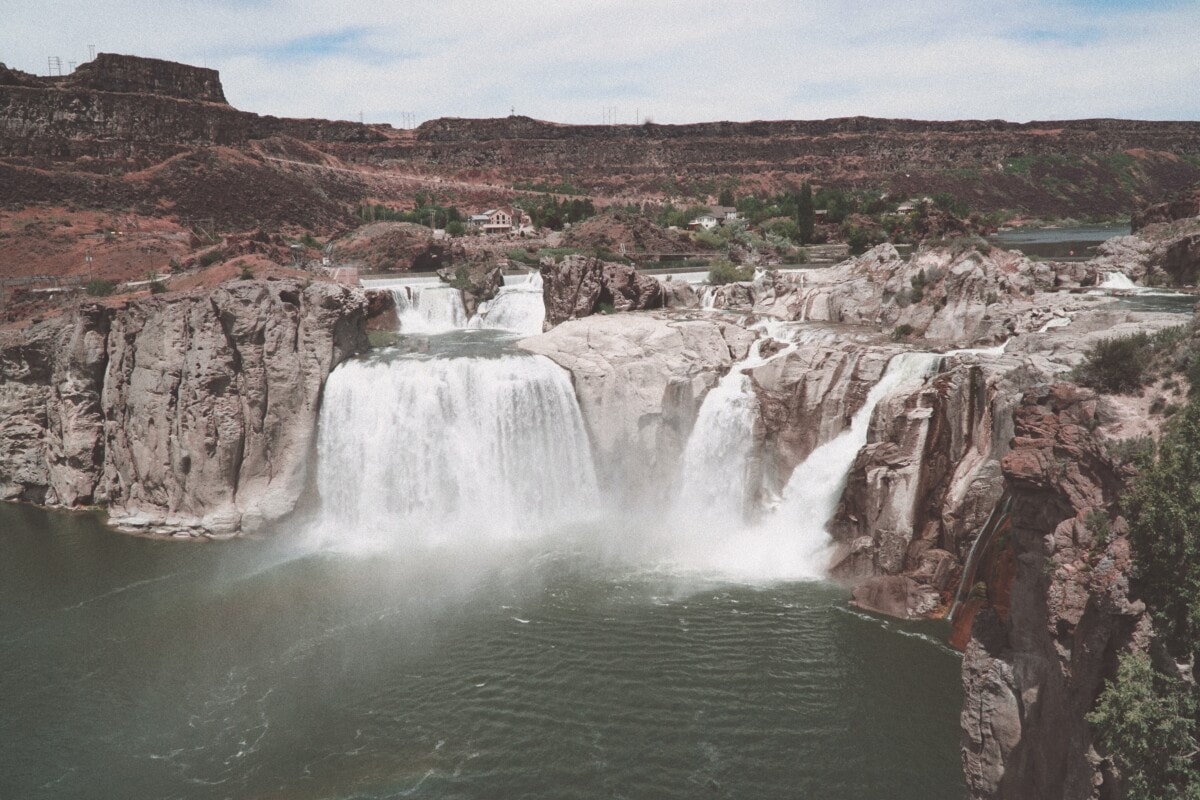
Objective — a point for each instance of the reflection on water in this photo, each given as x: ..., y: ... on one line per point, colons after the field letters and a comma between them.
x: 544, y: 668
x: 1068, y: 243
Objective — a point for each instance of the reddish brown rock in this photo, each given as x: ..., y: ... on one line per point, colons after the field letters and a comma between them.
x: 1032, y: 674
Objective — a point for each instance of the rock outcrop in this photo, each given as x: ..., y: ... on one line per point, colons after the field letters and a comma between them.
x: 640, y: 380
x: 954, y: 296
x: 579, y: 286
x: 1046, y: 638
x: 926, y: 481
x: 808, y: 395
x: 187, y: 413
x: 397, y: 247
x: 1182, y: 206
x: 478, y: 281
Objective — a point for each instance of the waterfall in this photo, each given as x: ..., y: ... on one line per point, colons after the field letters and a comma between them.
x: 715, y: 479
x: 815, y: 488
x: 714, y: 507
x: 1117, y: 280
x: 414, y: 450
x: 517, y: 307
x: 429, y: 309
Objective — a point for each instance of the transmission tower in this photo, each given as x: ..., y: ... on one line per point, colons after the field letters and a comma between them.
x: 91, y: 52
x: 53, y: 65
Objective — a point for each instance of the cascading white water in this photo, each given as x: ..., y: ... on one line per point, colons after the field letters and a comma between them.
x: 714, y: 479
x: 517, y: 307
x: 1117, y: 280
x: 429, y: 309
x: 419, y: 450
x: 792, y: 542
x: 815, y: 488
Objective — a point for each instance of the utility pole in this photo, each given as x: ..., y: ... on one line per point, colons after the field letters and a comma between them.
x: 88, y: 259
x: 91, y: 52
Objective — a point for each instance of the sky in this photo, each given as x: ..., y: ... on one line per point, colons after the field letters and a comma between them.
x: 672, y: 61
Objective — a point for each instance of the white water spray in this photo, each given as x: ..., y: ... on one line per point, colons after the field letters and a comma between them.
x: 792, y: 543
x: 517, y: 307
x: 1117, y: 280
x: 429, y: 309
x: 419, y: 451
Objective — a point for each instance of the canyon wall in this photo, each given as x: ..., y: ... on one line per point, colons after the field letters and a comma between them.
x: 124, y: 112
x: 1052, y: 622
x: 189, y: 413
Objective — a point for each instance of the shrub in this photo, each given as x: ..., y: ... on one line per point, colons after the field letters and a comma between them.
x: 902, y: 331
x: 1145, y: 722
x: 1116, y: 365
x: 211, y: 257
x: 99, y: 287
x: 157, y: 287
x: 724, y: 271
x: 1163, y: 510
x: 247, y: 274
x: 455, y: 228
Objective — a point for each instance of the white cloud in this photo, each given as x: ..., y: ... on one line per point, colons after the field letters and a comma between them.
x: 568, y: 60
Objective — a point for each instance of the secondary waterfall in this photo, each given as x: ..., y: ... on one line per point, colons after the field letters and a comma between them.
x: 517, y: 307
x: 1117, y: 280
x: 418, y: 450
x: 429, y: 309
x: 816, y: 485
x: 715, y: 503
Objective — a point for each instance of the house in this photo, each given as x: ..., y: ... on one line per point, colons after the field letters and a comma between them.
x: 716, y: 215
x: 494, y: 220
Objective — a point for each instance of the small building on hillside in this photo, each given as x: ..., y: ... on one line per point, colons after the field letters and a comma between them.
x: 716, y: 215
x: 494, y: 220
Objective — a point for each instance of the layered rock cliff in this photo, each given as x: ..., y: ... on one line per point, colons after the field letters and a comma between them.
x: 194, y: 412
x: 1051, y: 626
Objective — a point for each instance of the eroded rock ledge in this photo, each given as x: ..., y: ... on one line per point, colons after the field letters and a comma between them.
x: 187, y: 413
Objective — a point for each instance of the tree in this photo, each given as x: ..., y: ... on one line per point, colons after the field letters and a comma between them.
x: 805, y: 213
x: 726, y: 197
x: 1164, y: 531
x: 1145, y: 721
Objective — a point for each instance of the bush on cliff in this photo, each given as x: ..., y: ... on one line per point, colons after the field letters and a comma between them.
x: 1123, y: 364
x: 724, y: 272
x: 1163, y: 509
x: 1146, y: 720
x: 99, y: 287
x: 1146, y: 723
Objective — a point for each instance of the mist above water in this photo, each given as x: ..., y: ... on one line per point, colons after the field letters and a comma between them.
x: 472, y: 451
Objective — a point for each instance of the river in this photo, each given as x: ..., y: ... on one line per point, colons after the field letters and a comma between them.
x: 457, y: 613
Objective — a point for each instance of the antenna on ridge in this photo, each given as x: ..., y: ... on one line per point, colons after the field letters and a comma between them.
x: 91, y: 52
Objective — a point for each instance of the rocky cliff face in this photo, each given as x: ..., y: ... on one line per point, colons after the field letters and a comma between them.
x: 579, y: 286
x: 188, y: 413
x: 1049, y: 633
x: 955, y: 296
x: 640, y: 380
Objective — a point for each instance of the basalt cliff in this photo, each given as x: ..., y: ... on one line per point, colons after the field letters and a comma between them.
x: 194, y: 413
x: 130, y: 132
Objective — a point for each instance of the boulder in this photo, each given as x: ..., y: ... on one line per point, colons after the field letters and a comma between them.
x: 579, y: 286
